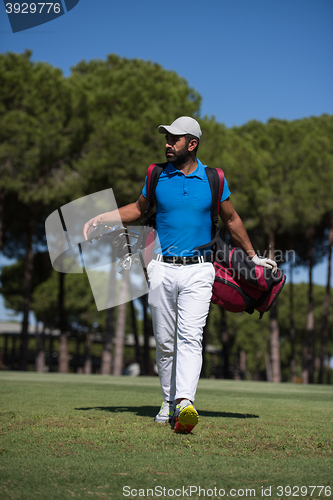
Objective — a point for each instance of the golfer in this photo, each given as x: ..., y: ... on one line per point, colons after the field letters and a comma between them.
x: 179, y: 301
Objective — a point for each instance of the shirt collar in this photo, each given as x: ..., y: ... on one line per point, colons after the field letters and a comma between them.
x: 198, y: 172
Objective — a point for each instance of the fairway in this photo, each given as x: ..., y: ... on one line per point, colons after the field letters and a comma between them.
x: 79, y: 436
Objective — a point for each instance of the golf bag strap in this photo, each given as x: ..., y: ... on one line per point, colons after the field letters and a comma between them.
x: 216, y: 183
x: 221, y: 187
x: 153, y: 173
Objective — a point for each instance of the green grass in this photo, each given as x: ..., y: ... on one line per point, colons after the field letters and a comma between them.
x: 79, y: 436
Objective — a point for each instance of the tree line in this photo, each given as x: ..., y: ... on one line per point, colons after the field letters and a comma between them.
x: 64, y: 138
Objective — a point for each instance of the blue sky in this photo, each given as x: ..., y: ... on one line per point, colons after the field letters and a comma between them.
x: 248, y: 59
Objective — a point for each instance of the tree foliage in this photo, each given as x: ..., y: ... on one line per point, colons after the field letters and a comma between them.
x: 126, y: 101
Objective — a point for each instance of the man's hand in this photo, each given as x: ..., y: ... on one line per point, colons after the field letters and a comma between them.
x: 125, y: 215
x: 96, y: 232
x: 264, y: 262
x: 89, y: 226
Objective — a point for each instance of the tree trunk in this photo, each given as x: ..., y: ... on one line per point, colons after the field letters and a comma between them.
x: 87, y: 368
x: 120, y: 330
x: 2, y: 202
x: 50, y: 351
x: 40, y: 356
x: 236, y: 371
x: 274, y: 327
x: 63, y: 358
x: 329, y: 370
x: 77, y: 354
x: 240, y: 371
x: 106, y: 363
x: 269, y: 375
x: 258, y: 359
x: 136, y: 338
x: 13, y: 367
x: 275, y: 345
x: 242, y: 364
x: 147, y: 333
x: 203, y: 373
x: 27, y: 285
x: 292, y: 326
x: 225, y: 344
x: 63, y: 361
x: 308, y: 353
x: 5, y: 350
x: 327, y: 299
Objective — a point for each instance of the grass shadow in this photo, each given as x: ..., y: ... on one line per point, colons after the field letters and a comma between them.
x: 150, y: 411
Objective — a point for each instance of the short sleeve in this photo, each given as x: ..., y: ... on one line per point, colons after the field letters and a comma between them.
x: 145, y: 189
x: 226, y: 191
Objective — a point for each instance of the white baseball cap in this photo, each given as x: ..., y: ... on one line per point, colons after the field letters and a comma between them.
x: 181, y: 126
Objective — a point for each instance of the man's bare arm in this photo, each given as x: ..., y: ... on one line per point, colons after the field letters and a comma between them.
x: 235, y: 226
x: 128, y: 213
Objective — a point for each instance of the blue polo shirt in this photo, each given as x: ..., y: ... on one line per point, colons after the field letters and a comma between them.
x: 183, y: 205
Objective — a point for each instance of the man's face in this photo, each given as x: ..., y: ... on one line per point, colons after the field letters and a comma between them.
x: 175, y: 149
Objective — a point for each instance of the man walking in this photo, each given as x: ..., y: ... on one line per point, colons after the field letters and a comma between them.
x: 179, y: 301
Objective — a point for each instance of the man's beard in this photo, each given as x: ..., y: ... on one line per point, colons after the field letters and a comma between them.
x: 178, y: 158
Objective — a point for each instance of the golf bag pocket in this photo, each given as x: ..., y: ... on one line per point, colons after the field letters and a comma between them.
x: 270, y: 297
x: 228, y: 293
x: 240, y: 285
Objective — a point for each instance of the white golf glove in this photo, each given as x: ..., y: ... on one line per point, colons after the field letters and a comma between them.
x: 264, y: 262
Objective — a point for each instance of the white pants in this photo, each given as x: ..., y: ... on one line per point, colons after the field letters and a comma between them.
x: 179, y: 299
